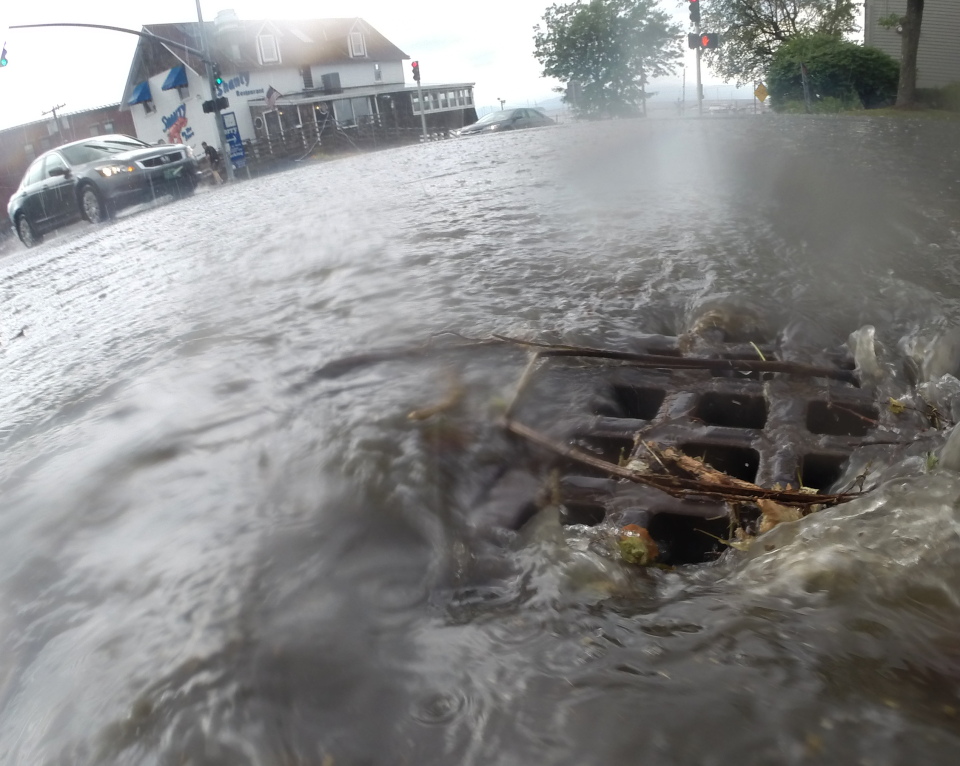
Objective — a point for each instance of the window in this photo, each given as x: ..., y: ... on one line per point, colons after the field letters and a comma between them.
x: 184, y: 92
x: 307, y: 74
x: 331, y: 82
x: 34, y: 174
x: 44, y: 143
x: 108, y: 127
x: 357, y: 48
x: 443, y: 99
x: 94, y: 130
x: 469, y: 96
x: 29, y: 151
x: 377, y: 74
x: 53, y: 161
x: 269, y: 51
x: 415, y: 100
x: 149, y: 107
x: 91, y: 151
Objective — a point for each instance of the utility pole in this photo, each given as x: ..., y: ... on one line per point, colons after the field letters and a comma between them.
x: 502, y: 102
x: 224, y: 146
x: 56, y: 119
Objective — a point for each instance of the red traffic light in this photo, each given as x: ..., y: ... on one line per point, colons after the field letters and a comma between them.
x: 415, y: 66
x: 710, y: 40
x: 705, y: 40
x: 695, y: 11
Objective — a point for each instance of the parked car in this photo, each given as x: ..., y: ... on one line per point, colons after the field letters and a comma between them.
x: 93, y: 178
x: 510, y: 119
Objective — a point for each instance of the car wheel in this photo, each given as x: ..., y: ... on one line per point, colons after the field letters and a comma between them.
x: 27, y: 233
x: 91, y: 205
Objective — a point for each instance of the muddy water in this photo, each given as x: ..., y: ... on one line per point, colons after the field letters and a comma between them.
x: 210, y: 555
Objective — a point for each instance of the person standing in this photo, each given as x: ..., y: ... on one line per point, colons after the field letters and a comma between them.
x: 214, y: 157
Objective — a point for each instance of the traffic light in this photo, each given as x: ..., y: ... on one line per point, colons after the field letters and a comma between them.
x: 415, y: 66
x: 216, y: 75
x: 693, y: 41
x: 214, y: 104
x: 711, y: 40
x: 3, y: 56
x: 695, y: 11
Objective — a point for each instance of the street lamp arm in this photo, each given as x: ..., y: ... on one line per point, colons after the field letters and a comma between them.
x: 148, y: 35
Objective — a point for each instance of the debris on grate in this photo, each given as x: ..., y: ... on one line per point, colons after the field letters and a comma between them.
x: 703, y: 450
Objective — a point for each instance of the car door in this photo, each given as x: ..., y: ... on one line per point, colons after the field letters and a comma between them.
x: 519, y: 119
x: 31, y: 191
x: 59, y: 203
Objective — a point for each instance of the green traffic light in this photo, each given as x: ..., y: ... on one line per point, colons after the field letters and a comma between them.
x: 219, y: 81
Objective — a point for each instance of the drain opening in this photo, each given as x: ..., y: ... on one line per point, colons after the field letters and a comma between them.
x: 739, y: 462
x: 582, y: 513
x: 732, y: 410
x: 840, y: 420
x: 681, y: 539
x: 639, y: 403
x: 821, y: 471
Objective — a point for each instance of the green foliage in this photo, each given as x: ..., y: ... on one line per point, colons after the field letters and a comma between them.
x: 753, y: 30
x: 606, y: 50
x: 842, y: 74
x: 890, y: 22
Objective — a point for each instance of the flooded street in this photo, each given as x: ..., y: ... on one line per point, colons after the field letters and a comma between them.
x: 211, y: 554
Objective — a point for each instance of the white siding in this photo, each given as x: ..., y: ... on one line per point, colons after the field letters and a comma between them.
x: 938, y: 60
x: 358, y: 74
x: 156, y: 125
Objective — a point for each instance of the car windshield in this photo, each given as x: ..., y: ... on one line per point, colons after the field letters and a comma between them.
x: 78, y: 154
x: 495, y: 117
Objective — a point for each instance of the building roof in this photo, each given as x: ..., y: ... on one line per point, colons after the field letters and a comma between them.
x: 233, y: 45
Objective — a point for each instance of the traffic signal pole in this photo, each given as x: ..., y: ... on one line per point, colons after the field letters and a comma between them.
x: 699, y: 84
x: 224, y: 146
x: 423, y: 119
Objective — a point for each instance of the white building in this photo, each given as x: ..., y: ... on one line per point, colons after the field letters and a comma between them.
x: 340, y: 71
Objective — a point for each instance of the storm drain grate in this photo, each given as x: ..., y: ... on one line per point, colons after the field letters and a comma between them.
x: 760, y: 426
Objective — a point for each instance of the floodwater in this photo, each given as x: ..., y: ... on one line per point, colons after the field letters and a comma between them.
x: 213, y: 555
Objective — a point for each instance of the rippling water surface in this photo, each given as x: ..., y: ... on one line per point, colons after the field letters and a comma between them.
x: 211, y: 555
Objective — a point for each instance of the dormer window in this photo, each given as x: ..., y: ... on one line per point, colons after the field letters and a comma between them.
x: 357, y: 47
x: 268, y: 49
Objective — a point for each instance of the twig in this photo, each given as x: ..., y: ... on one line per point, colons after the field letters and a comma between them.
x: 864, y: 418
x: 687, y: 363
x: 524, y: 379
x: 673, y: 485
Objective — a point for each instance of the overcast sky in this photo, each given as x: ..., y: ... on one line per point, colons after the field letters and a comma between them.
x: 488, y: 42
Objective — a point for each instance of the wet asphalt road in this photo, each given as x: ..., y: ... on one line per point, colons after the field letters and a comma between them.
x: 212, y: 556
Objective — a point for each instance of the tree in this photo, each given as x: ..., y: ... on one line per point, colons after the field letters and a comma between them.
x: 606, y: 51
x: 753, y: 30
x: 909, y: 46
x: 842, y: 73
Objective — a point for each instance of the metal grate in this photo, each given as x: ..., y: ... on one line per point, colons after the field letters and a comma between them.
x: 163, y: 159
x: 763, y: 427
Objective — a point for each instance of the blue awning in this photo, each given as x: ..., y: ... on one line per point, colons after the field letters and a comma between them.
x: 176, y: 79
x: 140, y: 94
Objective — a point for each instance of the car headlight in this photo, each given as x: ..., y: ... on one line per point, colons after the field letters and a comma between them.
x: 189, y: 151
x: 113, y: 170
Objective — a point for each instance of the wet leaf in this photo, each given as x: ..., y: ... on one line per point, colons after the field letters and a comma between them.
x: 636, y: 546
x: 896, y: 407
x: 932, y: 461
x: 774, y: 514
